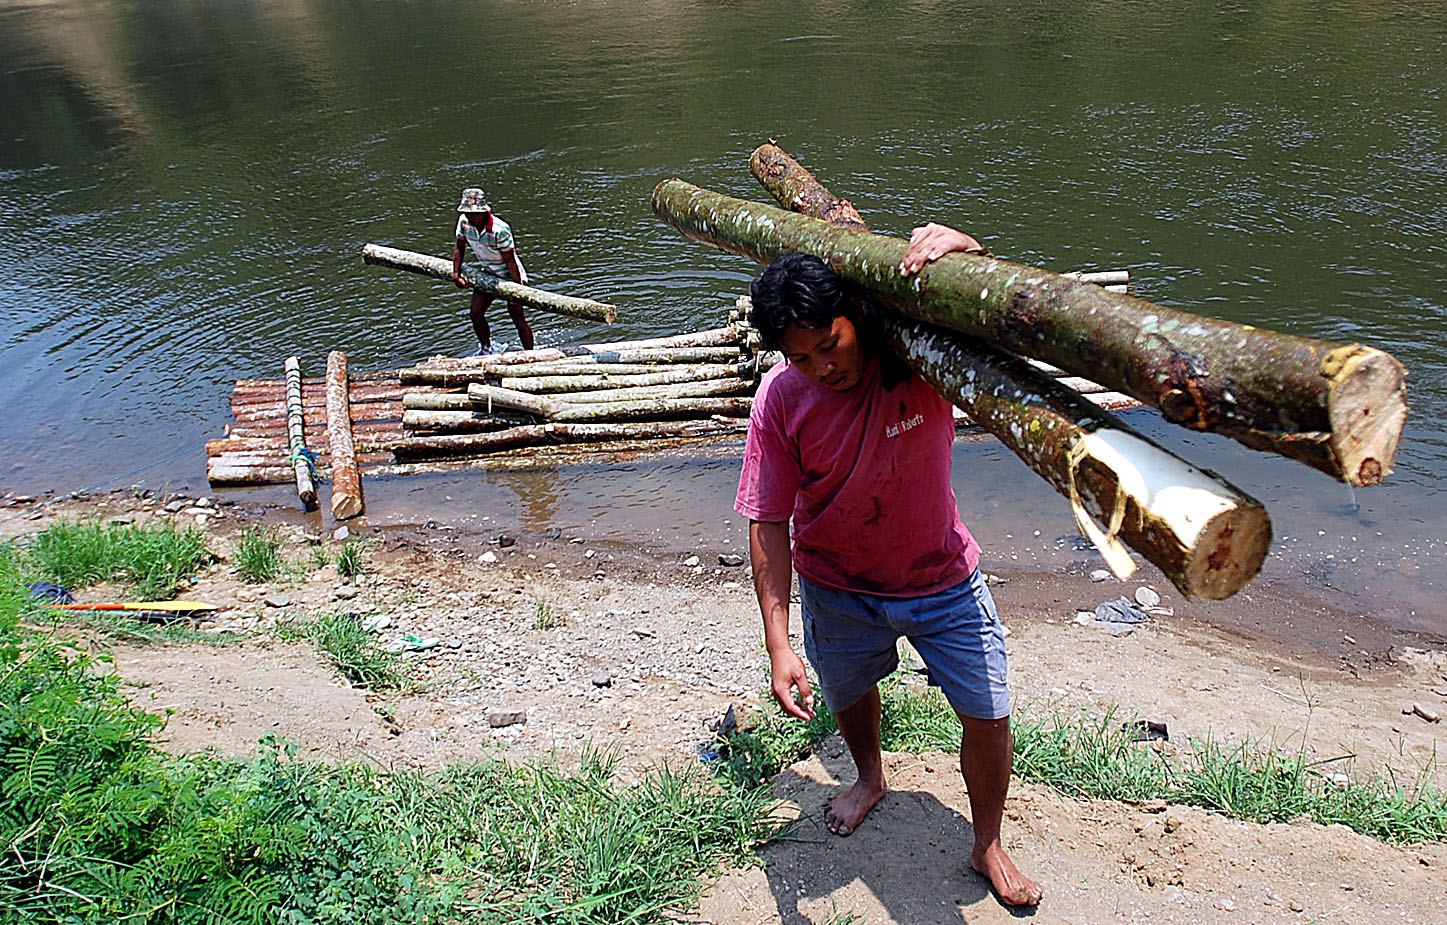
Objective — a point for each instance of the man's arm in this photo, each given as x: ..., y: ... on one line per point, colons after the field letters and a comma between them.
x: 773, y: 569
x: 457, y: 246
x: 510, y: 257
x: 930, y: 242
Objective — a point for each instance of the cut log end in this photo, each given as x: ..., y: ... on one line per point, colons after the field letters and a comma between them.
x: 1367, y: 404
x: 1229, y: 552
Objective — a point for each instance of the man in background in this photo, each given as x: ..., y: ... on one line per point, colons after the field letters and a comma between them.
x: 491, y: 241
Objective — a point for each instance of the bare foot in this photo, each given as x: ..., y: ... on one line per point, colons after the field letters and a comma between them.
x: 1013, y: 887
x: 849, y: 809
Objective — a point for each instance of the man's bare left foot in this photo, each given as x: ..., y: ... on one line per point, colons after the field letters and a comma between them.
x: 1013, y: 887
x: 848, y: 809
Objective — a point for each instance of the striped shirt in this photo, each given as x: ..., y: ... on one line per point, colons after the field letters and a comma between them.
x: 489, y: 245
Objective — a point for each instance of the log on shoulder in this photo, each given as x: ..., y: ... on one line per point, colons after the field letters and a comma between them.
x: 1339, y: 408
x: 438, y: 268
x: 1206, y: 536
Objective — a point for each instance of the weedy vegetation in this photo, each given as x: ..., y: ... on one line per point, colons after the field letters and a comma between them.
x: 352, y: 649
x: 352, y: 559
x: 1101, y: 758
x: 544, y: 618
x: 97, y: 825
x: 258, y: 557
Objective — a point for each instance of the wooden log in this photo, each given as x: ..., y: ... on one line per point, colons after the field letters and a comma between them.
x: 347, y: 499
x: 795, y: 188
x: 542, y: 384
x: 587, y: 309
x: 435, y: 401
x: 1206, y: 536
x: 463, y: 421
x: 1339, y: 408
x: 538, y: 434
x: 371, y: 411
x: 302, y: 460
x: 712, y: 337
x: 699, y: 389
x: 248, y: 475
x: 454, y: 377
x: 485, y: 396
x: 568, y: 368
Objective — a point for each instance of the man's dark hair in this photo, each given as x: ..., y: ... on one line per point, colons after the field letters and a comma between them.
x: 801, y: 290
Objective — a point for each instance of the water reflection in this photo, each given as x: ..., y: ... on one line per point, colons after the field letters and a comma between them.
x: 184, y: 189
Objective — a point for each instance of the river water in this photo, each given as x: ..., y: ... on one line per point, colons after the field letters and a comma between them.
x: 185, y: 189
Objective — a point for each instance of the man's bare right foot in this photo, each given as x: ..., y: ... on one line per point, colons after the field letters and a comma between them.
x: 1013, y: 887
x: 848, y: 809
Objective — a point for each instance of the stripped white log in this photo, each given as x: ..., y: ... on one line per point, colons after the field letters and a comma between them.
x: 698, y: 373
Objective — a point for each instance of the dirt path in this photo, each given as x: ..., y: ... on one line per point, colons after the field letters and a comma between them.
x: 546, y: 645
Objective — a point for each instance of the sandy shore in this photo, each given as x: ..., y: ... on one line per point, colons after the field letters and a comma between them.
x: 649, y: 652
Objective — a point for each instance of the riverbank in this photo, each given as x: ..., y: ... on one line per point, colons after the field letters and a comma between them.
x: 532, y: 646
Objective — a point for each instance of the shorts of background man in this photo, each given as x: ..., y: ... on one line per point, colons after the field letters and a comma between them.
x: 852, y: 643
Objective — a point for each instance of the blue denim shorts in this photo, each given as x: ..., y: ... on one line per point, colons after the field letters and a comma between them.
x: 852, y: 643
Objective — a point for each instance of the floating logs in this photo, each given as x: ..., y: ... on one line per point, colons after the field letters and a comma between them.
x: 1339, y: 408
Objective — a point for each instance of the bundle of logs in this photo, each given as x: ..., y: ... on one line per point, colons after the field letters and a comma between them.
x: 967, y: 322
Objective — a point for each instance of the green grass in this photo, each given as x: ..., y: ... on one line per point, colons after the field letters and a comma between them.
x: 153, y: 560
x: 544, y: 618
x: 352, y: 559
x: 1095, y: 757
x: 97, y: 825
x: 351, y: 648
x: 258, y: 557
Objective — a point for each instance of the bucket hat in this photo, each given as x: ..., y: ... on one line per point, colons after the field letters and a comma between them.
x: 474, y: 200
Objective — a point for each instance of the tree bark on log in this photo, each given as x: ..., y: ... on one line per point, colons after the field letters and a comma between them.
x: 1206, y: 536
x: 587, y: 309
x: 712, y: 337
x: 1339, y: 408
x: 705, y: 388
x: 485, y: 396
x: 795, y: 188
x: 346, y: 477
x: 611, y: 370
x: 463, y: 420
x: 588, y: 383
x: 454, y: 377
x: 538, y: 434
x: 301, y: 459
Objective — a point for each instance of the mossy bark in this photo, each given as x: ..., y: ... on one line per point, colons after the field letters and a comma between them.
x: 1339, y: 408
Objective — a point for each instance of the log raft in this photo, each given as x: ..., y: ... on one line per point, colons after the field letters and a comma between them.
x: 585, y: 405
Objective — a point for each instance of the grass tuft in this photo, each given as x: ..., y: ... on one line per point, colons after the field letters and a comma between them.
x: 352, y: 559
x: 151, y: 559
x: 258, y: 556
x: 352, y: 649
x: 544, y: 618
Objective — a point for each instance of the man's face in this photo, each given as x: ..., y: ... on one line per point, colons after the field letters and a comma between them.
x: 832, y: 356
x: 480, y: 219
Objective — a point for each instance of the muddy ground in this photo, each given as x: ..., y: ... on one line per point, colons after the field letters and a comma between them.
x: 540, y: 646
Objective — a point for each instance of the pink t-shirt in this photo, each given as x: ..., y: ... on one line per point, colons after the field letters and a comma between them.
x: 865, y: 475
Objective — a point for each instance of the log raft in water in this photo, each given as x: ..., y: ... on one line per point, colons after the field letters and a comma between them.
x: 439, y: 268
x: 346, y: 477
x: 1205, y: 535
x: 540, y: 434
x: 1339, y: 408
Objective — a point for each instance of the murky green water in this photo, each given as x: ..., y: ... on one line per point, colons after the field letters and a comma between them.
x: 185, y: 187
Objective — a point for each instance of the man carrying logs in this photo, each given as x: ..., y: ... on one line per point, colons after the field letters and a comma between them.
x: 854, y: 447
x: 491, y: 240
